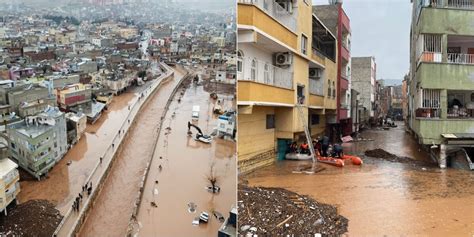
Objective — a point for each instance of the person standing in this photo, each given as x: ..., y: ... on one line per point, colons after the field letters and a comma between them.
x: 325, y: 145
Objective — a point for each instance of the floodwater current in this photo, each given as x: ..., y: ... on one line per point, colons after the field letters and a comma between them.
x: 382, y: 197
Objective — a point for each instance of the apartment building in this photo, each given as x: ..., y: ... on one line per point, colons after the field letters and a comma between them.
x: 38, y: 142
x: 363, y: 81
x: 9, y: 183
x: 286, y: 64
x: 337, y: 21
x: 441, y: 86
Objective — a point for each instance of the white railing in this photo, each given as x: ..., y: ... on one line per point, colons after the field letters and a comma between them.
x: 462, y: 4
x: 283, y: 15
x: 460, y: 58
x: 264, y: 72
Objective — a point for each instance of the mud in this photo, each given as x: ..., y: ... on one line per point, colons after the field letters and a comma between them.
x: 383, y: 197
x: 185, y: 169
x: 382, y: 154
x: 279, y: 212
x: 112, y: 208
x: 32, y: 218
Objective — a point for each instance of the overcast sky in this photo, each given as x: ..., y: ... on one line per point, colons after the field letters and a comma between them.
x: 381, y: 30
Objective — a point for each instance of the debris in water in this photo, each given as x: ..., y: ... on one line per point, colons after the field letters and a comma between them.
x: 287, y: 209
x: 153, y: 204
x: 196, y: 221
x: 155, y: 191
x: 204, y: 217
x: 192, y: 207
x: 69, y: 163
x: 219, y: 216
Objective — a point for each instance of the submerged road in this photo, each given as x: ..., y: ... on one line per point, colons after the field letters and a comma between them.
x: 382, y: 197
x: 186, y: 164
x: 111, y: 211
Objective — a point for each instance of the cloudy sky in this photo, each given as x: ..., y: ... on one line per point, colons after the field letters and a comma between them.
x: 381, y: 30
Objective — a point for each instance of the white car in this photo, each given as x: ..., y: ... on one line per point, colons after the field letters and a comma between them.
x: 195, y: 113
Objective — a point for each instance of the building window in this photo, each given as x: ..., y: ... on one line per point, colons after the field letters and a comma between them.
x: 239, y: 61
x: 270, y: 121
x: 329, y: 88
x: 304, y: 44
x: 266, y: 73
x: 13, y: 145
x: 314, y: 119
x: 253, y: 70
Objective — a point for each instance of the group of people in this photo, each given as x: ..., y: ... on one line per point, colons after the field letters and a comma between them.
x: 87, y: 188
x: 322, y: 146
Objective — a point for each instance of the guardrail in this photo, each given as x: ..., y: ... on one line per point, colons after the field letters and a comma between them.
x: 70, y: 224
x: 460, y: 58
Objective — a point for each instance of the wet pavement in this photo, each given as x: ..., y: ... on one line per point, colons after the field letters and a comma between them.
x: 112, y: 208
x: 185, y: 166
x: 382, y: 197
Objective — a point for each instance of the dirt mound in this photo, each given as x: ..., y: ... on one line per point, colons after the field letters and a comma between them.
x: 279, y: 212
x: 380, y: 153
x: 32, y: 218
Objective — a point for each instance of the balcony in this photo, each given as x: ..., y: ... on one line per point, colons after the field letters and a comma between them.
x: 455, y: 4
x: 265, y: 73
x: 344, y: 83
x: 283, y: 13
x: 428, y: 113
x: 459, y: 58
x: 460, y: 113
x: 432, y: 18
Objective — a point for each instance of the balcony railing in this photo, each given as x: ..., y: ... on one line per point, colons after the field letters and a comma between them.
x: 462, y: 4
x: 428, y: 113
x: 461, y: 113
x: 266, y: 73
x: 275, y: 10
x: 460, y: 58
x: 431, y: 57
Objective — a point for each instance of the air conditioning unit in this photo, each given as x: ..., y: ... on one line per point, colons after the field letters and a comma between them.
x: 284, y: 6
x: 315, y: 73
x: 282, y: 59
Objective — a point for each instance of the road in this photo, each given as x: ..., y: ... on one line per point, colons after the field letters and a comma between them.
x: 112, y: 208
x: 385, y: 198
x: 185, y: 165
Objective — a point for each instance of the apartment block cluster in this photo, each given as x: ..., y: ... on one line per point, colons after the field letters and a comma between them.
x: 440, y: 86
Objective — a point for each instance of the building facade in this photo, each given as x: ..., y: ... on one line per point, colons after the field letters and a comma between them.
x: 9, y: 183
x: 286, y: 63
x: 363, y: 81
x: 441, y: 86
x: 335, y: 18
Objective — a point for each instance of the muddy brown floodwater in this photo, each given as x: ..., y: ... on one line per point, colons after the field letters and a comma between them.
x: 185, y: 165
x: 112, y: 209
x: 382, y: 197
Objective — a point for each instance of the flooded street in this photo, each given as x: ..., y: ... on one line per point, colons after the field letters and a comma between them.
x: 111, y: 211
x: 185, y: 166
x: 382, y: 197
x: 62, y: 179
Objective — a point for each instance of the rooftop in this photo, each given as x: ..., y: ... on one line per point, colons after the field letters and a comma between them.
x: 6, y: 166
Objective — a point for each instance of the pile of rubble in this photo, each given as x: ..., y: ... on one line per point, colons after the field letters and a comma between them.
x: 382, y: 154
x: 32, y: 218
x: 279, y: 212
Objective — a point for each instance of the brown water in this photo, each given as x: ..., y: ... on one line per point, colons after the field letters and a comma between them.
x: 112, y: 209
x: 186, y: 164
x: 384, y: 198
x: 64, y: 182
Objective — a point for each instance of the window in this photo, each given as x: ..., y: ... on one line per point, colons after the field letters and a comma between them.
x: 253, y: 70
x: 329, y: 88
x: 270, y: 121
x: 314, y: 119
x: 13, y: 145
x: 266, y: 73
x: 304, y: 44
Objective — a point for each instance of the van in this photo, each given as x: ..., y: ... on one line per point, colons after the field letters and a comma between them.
x: 195, y: 113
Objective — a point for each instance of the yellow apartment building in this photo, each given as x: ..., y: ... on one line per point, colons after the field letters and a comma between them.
x: 286, y: 57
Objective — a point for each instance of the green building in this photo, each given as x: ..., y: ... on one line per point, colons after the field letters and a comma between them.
x: 441, y: 83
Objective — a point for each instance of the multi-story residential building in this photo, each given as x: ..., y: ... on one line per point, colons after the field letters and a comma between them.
x: 73, y: 95
x: 38, y: 142
x: 442, y: 64
x: 405, y: 97
x: 335, y: 18
x: 286, y: 62
x: 9, y: 183
x: 363, y: 81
